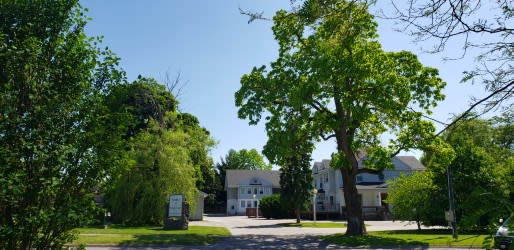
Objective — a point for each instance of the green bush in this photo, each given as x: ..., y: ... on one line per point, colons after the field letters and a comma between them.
x: 271, y: 207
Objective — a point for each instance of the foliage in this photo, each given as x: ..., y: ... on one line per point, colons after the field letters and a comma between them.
x: 138, y: 102
x: 52, y: 77
x: 296, y: 186
x: 333, y: 77
x: 289, y: 147
x: 271, y: 207
x: 161, y: 167
x: 167, y: 152
x: 195, y: 235
x: 411, y: 197
x: 483, y: 28
x: 482, y: 173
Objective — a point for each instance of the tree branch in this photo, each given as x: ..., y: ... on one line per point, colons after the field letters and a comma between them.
x: 465, y: 113
x: 326, y: 138
x: 369, y: 171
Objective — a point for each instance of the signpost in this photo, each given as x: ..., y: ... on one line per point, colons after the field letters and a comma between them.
x: 175, y: 207
x: 176, y: 214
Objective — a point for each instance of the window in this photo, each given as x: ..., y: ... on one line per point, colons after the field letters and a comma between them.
x: 248, y: 203
x: 249, y: 190
x: 255, y: 190
x: 243, y: 203
x: 241, y: 190
x: 254, y: 203
x: 261, y: 191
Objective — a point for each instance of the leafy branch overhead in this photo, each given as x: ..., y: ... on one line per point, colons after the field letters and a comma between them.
x: 483, y: 29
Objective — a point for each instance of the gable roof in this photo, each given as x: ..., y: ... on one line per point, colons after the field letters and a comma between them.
x: 400, y: 163
x: 411, y: 162
x: 236, y: 176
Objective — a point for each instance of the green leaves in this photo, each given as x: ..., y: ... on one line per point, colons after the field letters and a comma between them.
x: 482, y: 172
x: 165, y: 152
x: 333, y: 80
x: 50, y: 92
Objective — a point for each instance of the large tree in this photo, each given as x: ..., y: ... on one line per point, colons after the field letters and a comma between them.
x: 52, y: 77
x: 161, y: 165
x: 166, y: 152
x: 332, y: 71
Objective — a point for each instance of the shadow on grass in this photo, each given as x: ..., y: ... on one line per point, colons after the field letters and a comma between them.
x: 419, y: 232
x: 172, y: 239
x: 261, y: 226
x: 372, y: 241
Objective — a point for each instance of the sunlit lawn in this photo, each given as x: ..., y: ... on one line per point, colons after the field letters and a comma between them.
x: 195, y: 235
x: 424, y: 238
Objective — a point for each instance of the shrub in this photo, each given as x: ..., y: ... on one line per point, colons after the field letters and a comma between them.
x: 271, y: 207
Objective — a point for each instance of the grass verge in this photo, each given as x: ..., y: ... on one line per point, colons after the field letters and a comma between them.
x: 401, y: 238
x: 316, y: 225
x: 195, y: 235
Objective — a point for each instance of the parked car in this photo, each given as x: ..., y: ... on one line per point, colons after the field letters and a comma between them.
x: 505, y: 234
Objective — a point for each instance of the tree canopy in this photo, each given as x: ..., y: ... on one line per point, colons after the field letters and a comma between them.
x: 482, y: 173
x: 166, y: 152
x: 52, y: 80
x: 332, y: 73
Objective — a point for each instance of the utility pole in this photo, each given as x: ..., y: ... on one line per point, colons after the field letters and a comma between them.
x: 451, y: 198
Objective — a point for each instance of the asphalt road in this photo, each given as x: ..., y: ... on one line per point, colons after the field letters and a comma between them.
x: 251, y: 233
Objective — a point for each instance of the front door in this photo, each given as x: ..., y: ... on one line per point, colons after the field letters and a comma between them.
x: 383, y: 199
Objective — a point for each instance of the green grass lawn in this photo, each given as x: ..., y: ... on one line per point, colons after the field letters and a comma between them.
x: 195, y: 235
x: 317, y: 224
x: 425, y: 238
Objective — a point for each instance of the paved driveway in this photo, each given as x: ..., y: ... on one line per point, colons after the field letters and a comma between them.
x: 242, y: 225
x: 251, y: 233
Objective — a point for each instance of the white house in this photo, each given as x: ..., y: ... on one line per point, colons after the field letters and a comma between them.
x: 372, y: 188
x: 242, y: 185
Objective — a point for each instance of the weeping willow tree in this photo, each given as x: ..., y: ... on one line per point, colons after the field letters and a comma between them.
x: 159, y: 166
x: 165, y: 153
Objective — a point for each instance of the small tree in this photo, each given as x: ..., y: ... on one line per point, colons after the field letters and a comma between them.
x: 411, y: 197
x: 291, y: 149
x: 482, y: 171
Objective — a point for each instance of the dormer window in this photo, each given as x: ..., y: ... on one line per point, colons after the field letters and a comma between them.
x: 255, y: 181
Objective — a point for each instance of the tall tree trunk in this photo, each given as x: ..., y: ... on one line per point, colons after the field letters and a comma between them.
x: 298, y: 214
x: 353, y: 204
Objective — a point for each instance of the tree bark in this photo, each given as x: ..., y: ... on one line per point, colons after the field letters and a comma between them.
x: 353, y: 205
x: 298, y: 215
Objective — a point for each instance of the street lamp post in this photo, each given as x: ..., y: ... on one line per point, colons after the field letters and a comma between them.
x: 257, y: 206
x: 314, y: 192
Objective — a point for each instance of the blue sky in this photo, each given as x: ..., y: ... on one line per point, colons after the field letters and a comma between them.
x: 212, y: 46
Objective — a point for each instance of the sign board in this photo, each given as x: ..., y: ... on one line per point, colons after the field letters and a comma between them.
x: 448, y: 216
x: 175, y: 208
